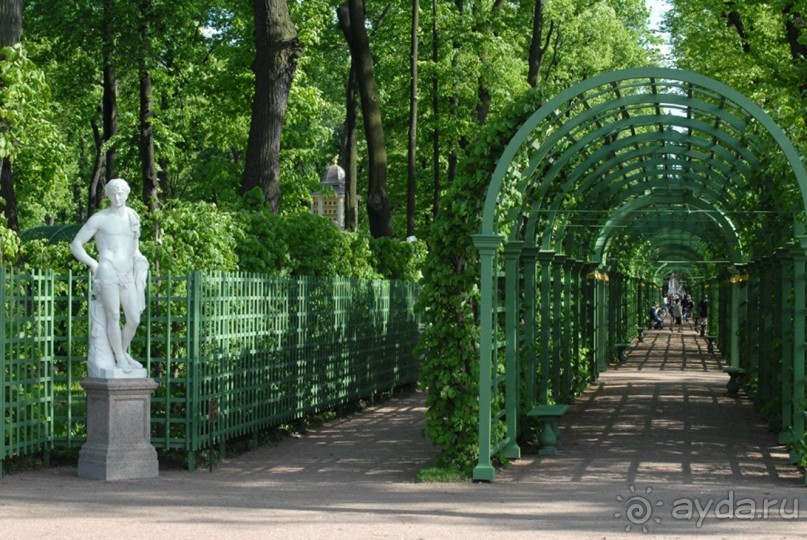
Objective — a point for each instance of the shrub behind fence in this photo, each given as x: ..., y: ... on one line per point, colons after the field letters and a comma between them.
x: 253, y: 351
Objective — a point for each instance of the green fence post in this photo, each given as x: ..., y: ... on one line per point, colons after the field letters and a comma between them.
x: 193, y: 375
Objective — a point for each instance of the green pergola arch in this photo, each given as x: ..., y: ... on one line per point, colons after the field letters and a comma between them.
x: 602, y: 193
x: 629, y: 209
x: 612, y: 83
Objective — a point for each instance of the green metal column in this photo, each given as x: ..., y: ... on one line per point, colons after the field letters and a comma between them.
x: 764, y: 334
x: 487, y: 246
x: 611, y: 318
x: 799, y: 275
x: 641, y: 300
x: 752, y: 326
x: 579, y: 301
x: 785, y: 290
x: 3, y: 397
x: 778, y: 273
x: 529, y: 256
x: 557, y: 325
x: 512, y: 253
x: 545, y: 258
x: 566, y: 336
x: 734, y: 318
x: 588, y: 319
x: 601, y: 325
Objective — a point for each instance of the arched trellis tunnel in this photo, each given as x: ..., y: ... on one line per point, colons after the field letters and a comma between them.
x: 619, y: 182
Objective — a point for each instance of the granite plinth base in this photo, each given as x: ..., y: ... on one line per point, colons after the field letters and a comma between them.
x: 118, y: 443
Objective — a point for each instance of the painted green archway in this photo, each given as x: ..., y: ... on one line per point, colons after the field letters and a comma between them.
x: 619, y: 181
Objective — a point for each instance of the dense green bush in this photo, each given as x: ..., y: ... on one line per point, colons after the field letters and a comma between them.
x: 9, y: 244
x: 182, y: 237
x: 301, y: 244
x: 42, y: 255
x: 394, y: 259
x: 448, y: 301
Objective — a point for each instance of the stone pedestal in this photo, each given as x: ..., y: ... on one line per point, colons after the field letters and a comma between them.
x: 118, y: 443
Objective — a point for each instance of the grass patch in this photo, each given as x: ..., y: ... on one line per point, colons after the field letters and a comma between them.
x: 440, y: 474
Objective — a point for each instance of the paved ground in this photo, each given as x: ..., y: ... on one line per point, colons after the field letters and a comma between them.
x: 654, y: 445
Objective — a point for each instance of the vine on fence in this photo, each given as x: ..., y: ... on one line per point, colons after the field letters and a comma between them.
x: 448, y: 301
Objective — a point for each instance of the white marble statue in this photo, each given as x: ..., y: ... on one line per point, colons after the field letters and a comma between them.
x: 119, y: 281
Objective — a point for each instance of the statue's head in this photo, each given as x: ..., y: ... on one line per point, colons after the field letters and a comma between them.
x: 117, y: 185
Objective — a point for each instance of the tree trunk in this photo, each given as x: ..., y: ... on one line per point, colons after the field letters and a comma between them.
x: 537, y: 51
x: 413, y: 122
x: 10, y: 22
x: 94, y: 194
x: 436, y: 114
x: 794, y: 25
x: 733, y: 19
x: 378, y: 206
x: 110, y: 98
x: 277, y: 49
x: 10, y: 34
x: 349, y: 151
x: 151, y: 184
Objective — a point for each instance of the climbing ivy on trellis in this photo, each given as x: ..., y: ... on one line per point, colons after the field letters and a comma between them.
x: 449, y: 298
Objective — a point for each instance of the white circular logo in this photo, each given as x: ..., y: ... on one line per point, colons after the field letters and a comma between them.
x: 638, y: 510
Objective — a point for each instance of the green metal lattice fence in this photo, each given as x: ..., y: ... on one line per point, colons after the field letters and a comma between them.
x: 257, y: 350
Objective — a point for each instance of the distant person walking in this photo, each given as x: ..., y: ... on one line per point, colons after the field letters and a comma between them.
x: 703, y: 314
x: 677, y: 315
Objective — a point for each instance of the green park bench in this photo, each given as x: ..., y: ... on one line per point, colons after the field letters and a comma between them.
x: 622, y: 352
x: 710, y: 344
x: 736, y: 375
x: 550, y: 434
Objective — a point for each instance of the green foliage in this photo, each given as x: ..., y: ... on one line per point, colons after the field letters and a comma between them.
x: 182, y: 237
x: 394, y: 259
x: 758, y: 62
x: 450, y: 294
x: 261, y: 247
x: 42, y: 255
x: 9, y: 244
x: 301, y: 244
x: 31, y: 139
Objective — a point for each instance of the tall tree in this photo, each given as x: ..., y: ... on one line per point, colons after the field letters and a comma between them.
x: 539, y: 44
x: 435, y: 115
x: 10, y: 34
x: 147, y: 163
x: 349, y: 150
x: 411, y: 177
x: 109, y: 108
x: 795, y: 27
x: 277, y: 48
x: 379, y: 212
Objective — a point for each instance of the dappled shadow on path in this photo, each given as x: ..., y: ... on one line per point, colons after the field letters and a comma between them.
x: 662, y: 417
